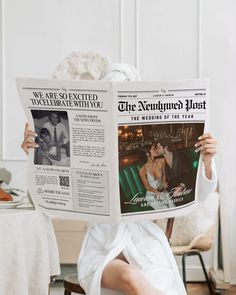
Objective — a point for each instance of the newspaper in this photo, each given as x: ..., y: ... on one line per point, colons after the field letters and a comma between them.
x: 113, y: 151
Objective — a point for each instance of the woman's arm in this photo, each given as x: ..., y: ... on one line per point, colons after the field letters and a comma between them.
x: 207, y: 181
x: 207, y: 145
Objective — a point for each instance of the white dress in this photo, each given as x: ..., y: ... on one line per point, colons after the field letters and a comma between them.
x: 163, y: 201
x: 142, y: 243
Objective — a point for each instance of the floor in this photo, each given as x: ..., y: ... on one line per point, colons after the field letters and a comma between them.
x: 193, y: 289
x: 201, y: 289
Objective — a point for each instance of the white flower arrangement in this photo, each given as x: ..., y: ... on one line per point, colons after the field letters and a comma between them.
x: 82, y: 66
x: 120, y: 72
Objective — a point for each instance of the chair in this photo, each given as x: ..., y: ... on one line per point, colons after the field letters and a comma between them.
x: 71, y: 283
x: 200, y: 243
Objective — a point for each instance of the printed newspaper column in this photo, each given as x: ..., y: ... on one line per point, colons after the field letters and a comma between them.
x: 70, y: 170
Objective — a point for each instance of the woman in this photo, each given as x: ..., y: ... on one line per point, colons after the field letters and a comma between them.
x: 153, y: 177
x: 49, y: 152
x: 132, y: 258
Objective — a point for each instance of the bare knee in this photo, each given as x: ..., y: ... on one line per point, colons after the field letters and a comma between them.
x: 131, y: 280
x: 119, y: 275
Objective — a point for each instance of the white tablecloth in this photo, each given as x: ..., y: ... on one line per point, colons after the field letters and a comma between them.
x: 28, y: 252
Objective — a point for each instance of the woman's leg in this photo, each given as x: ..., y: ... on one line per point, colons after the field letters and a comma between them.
x: 119, y: 275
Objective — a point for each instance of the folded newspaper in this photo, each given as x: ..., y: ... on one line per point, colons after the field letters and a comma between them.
x: 111, y: 151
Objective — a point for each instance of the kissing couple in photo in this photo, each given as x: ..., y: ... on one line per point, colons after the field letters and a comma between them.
x: 164, y: 175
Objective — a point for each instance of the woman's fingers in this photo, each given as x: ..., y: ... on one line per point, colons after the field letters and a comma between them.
x: 27, y: 145
x: 206, y: 146
x: 210, y: 151
x: 206, y: 135
x: 29, y: 137
x: 206, y: 142
x: 29, y: 140
x: 27, y: 126
x: 29, y: 134
x: 28, y: 131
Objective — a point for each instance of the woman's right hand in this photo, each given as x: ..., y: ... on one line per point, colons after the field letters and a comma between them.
x: 29, y: 137
x: 157, y: 193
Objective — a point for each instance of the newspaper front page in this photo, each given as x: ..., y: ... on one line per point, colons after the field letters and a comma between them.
x: 114, y: 151
x: 160, y: 120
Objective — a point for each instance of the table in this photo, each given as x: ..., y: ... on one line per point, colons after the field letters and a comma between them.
x: 28, y: 252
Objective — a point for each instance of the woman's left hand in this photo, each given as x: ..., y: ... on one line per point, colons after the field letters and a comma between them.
x: 165, y: 184
x: 208, y: 146
x: 29, y: 139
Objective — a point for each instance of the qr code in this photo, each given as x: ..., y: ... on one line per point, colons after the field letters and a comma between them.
x: 64, y: 181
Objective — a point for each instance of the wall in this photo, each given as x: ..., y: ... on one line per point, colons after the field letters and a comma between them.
x: 218, y: 62
x: 164, y: 39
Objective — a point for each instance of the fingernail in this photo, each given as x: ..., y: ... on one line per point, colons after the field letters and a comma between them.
x: 196, y: 144
x: 35, y: 134
x: 196, y: 150
x: 199, y: 137
x: 36, y: 145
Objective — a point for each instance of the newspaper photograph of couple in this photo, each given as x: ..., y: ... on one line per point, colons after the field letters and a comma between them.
x: 53, y: 138
x: 157, y: 166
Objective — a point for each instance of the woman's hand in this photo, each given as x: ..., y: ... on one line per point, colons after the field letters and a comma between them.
x: 165, y: 184
x: 29, y: 137
x: 157, y: 193
x: 208, y: 146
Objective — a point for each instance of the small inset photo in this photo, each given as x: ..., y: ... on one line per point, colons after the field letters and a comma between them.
x: 53, y: 138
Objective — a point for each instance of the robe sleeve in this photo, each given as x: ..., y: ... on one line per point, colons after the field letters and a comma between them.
x: 206, y: 186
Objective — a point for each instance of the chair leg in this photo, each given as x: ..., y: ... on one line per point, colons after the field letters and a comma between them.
x: 66, y: 292
x: 205, y: 272
x: 184, y: 270
x: 52, y: 281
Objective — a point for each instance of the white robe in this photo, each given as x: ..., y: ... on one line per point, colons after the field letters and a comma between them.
x: 142, y: 243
